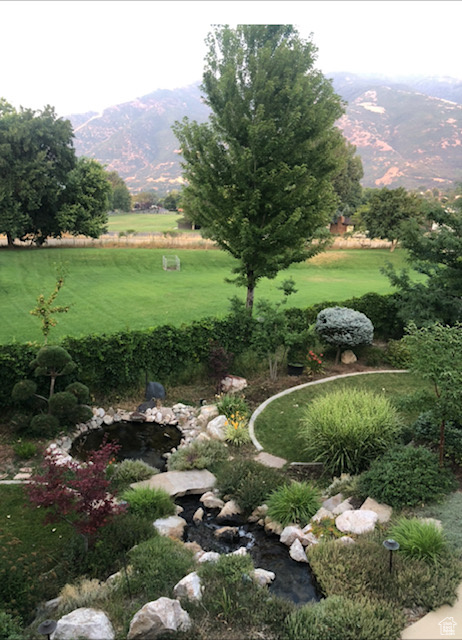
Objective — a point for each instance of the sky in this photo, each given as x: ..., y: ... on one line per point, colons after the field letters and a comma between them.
x: 86, y: 55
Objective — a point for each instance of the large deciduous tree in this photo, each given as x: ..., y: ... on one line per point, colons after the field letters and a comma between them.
x: 41, y: 178
x: 120, y: 198
x: 259, y: 172
x: 386, y: 212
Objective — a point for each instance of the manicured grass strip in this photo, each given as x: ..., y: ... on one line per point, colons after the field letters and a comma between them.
x: 276, y: 428
x: 143, y: 222
x: 113, y: 289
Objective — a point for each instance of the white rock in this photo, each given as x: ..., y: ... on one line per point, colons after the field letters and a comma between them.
x: 345, y: 540
x: 331, y: 503
x: 207, y: 413
x: 198, y: 515
x: 216, y: 428
x: 272, y: 527
x: 203, y: 437
x: 210, y: 501
x: 172, y: 527
x: 85, y: 623
x: 383, y: 511
x: 348, y: 357
x: 297, y: 551
x: 209, y: 556
x: 342, y: 507
x: 157, y: 618
x: 242, y: 551
x: 108, y: 420
x: 263, y: 577
x: 290, y: 534
x: 189, y: 588
x: 233, y: 384
x: 308, y: 539
x: 322, y: 513
x: 231, y: 508
x: 357, y: 521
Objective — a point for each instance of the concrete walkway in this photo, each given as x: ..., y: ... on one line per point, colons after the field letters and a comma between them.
x: 445, y: 622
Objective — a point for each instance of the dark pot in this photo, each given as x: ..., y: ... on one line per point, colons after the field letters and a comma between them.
x: 295, y: 369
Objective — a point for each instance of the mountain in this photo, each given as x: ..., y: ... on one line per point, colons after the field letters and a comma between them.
x: 408, y: 132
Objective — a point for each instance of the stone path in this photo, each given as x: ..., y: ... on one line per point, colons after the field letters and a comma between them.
x: 180, y: 483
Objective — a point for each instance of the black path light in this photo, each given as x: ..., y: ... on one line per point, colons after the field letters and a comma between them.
x: 391, y: 545
x: 47, y: 627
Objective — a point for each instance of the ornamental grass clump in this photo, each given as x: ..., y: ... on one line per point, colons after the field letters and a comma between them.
x: 295, y: 503
x: 149, y: 502
x: 419, y: 539
x: 347, y: 430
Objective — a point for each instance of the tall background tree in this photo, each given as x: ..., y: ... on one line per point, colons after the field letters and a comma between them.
x: 44, y: 190
x: 259, y: 172
x: 120, y: 198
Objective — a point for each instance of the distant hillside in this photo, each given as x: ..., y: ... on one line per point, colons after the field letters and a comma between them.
x: 408, y: 132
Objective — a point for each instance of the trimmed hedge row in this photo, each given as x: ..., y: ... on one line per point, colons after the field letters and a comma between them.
x: 121, y: 360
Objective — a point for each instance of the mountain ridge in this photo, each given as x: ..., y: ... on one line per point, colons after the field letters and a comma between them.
x: 408, y: 132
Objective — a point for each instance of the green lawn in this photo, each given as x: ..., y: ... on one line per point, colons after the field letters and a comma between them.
x: 143, y: 222
x: 112, y: 289
x: 276, y: 428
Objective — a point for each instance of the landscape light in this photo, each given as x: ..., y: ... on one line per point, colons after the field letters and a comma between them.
x: 391, y: 545
x: 47, y: 627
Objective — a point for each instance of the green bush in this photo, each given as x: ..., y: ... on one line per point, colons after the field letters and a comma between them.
x: 361, y: 570
x: 158, y: 564
x: 149, y: 502
x: 346, y: 430
x: 341, y: 618
x: 25, y: 450
x: 61, y: 404
x: 419, y: 539
x: 294, y: 503
x: 248, y: 482
x: 198, y: 455
x: 10, y: 628
x: 23, y: 391
x: 124, y: 473
x: 80, y: 391
x: 229, y: 404
x: 43, y: 425
x: 79, y: 413
x: 343, y: 327
x: 397, y: 354
x: 406, y: 476
x: 426, y: 430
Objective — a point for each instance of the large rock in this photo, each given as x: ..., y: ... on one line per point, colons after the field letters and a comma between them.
x: 297, y: 551
x: 357, y: 521
x: 157, y: 618
x: 211, y: 501
x: 233, y: 384
x: 348, y: 357
x: 343, y: 506
x: 383, y: 511
x: 88, y: 624
x: 290, y: 534
x: 180, y: 483
x: 172, y: 527
x: 331, y: 503
x: 216, y: 428
x: 208, y: 412
x: 154, y: 390
x: 189, y: 588
x: 321, y: 514
x: 263, y: 577
x: 230, y: 509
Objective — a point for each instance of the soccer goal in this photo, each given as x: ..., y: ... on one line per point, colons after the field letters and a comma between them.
x: 170, y: 263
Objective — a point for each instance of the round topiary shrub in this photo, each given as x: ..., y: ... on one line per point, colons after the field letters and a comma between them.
x: 340, y: 618
x: 344, y: 328
x: 419, y: 539
x: 346, y: 430
x: 80, y: 391
x: 23, y: 391
x: 406, y: 476
x: 61, y: 404
x: 149, y: 502
x: 43, y: 425
x: 295, y: 503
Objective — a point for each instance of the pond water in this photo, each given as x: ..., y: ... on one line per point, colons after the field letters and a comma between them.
x: 294, y: 580
x: 146, y: 441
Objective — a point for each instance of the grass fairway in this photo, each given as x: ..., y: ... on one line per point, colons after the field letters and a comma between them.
x: 112, y: 289
x: 143, y: 222
x: 276, y: 428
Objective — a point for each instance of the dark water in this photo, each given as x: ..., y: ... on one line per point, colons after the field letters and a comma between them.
x: 293, y: 581
x: 138, y: 440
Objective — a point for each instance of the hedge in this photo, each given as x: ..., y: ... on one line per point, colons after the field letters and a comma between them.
x: 120, y: 361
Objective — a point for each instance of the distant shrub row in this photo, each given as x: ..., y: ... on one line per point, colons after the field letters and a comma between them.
x: 119, y: 361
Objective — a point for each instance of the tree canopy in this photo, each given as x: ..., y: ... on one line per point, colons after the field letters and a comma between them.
x: 44, y: 189
x: 120, y: 198
x: 259, y: 172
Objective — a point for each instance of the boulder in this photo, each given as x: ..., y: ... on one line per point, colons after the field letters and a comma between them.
x: 227, y: 534
x: 242, y: 551
x: 208, y: 412
x: 154, y: 390
x: 322, y: 513
x: 189, y: 588
x: 230, y: 509
x: 216, y: 428
x: 85, y: 623
x: 211, y: 501
x: 290, y: 534
x: 297, y: 551
x: 271, y: 526
x: 331, y: 503
x: 308, y: 539
x: 342, y: 507
x: 344, y: 540
x: 356, y: 521
x: 233, y: 384
x: 180, y: 483
x: 198, y: 515
x: 208, y: 556
x: 348, y: 357
x: 258, y: 513
x: 383, y: 511
x: 172, y: 527
x: 263, y: 577
x: 156, y: 618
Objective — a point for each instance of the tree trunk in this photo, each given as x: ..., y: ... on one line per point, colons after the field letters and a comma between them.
x: 250, y: 291
x: 52, y: 385
x: 9, y: 239
x: 393, y: 245
x: 337, y: 356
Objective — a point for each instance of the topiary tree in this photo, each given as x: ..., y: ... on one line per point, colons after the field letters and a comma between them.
x: 343, y: 327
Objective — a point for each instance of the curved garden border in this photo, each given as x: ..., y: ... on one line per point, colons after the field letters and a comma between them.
x: 263, y: 405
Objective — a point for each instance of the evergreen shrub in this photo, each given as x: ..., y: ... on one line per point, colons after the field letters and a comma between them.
x: 406, y: 476
x: 198, y: 455
x: 426, y: 430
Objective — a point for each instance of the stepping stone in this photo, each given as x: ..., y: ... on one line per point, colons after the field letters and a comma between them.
x: 270, y: 461
x: 180, y: 483
x: 22, y: 476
